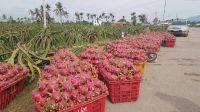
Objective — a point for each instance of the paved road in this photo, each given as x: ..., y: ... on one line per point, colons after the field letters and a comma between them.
x: 173, y: 83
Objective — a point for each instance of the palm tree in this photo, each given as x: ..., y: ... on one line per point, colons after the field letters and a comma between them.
x: 77, y: 16
x: 103, y: 15
x: 32, y: 13
x: 142, y: 18
x: 100, y: 17
x: 123, y: 17
x: 4, y: 17
x: 38, y: 15
x: 106, y: 17
x: 10, y: 19
x: 155, y: 21
x: 48, y: 7
x: 133, y: 18
x: 81, y: 16
x: 95, y: 16
x: 88, y: 16
x: 66, y: 14
x: 18, y: 19
x: 59, y: 11
x: 92, y: 17
x: 112, y: 17
x: 25, y: 18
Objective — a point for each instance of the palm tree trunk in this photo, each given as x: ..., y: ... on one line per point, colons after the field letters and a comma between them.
x: 44, y: 14
x: 61, y: 19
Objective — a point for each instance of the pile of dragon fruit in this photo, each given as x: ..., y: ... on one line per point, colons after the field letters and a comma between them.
x: 11, y: 73
x: 122, y: 50
x: 63, y: 56
x: 60, y: 94
x: 149, y: 42
x: 67, y: 83
x: 119, y: 69
x: 94, y: 54
x: 68, y: 68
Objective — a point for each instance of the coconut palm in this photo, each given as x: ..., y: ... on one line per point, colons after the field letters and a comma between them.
x: 92, y: 17
x: 133, y: 18
x: 100, y: 17
x: 103, y: 15
x: 142, y: 18
x: 123, y: 17
x: 106, y: 17
x: 81, y: 16
x: 59, y: 11
x: 155, y: 21
x: 95, y: 16
x: 77, y: 16
x: 88, y: 16
x: 32, y: 13
x: 18, y: 19
x: 4, y: 17
x: 38, y: 15
x: 112, y: 17
x: 10, y: 19
x: 66, y: 14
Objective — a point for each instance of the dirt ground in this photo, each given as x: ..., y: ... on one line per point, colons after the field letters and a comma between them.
x: 172, y: 84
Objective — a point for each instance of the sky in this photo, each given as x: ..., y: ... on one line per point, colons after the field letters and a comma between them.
x: 174, y: 8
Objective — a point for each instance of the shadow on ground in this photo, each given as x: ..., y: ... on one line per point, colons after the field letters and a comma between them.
x: 182, y: 104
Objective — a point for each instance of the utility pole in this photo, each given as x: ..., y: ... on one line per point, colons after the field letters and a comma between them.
x: 156, y: 14
x: 164, y: 10
x: 44, y: 14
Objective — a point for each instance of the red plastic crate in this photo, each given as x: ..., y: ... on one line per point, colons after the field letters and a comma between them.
x: 170, y: 43
x: 9, y: 92
x: 122, y: 91
x: 95, y: 105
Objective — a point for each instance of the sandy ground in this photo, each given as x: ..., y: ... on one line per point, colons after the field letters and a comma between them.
x: 170, y: 85
x: 173, y: 83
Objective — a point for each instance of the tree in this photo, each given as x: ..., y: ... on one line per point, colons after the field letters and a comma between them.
x: 32, y: 13
x: 103, y: 15
x: 48, y: 17
x: 123, y: 19
x: 77, y: 16
x: 106, y: 17
x: 37, y: 14
x: 155, y: 21
x: 18, y: 19
x: 4, y: 17
x: 10, y: 19
x: 95, y: 16
x: 142, y: 18
x: 59, y: 11
x: 81, y: 16
x: 66, y: 14
x: 134, y: 18
x: 112, y: 17
x: 88, y: 16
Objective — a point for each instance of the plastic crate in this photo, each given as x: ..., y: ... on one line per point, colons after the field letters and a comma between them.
x: 163, y: 43
x: 123, y: 91
x: 95, y: 105
x: 170, y: 43
x: 9, y: 92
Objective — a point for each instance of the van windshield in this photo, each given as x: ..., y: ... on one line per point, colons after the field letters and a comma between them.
x: 179, y: 23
